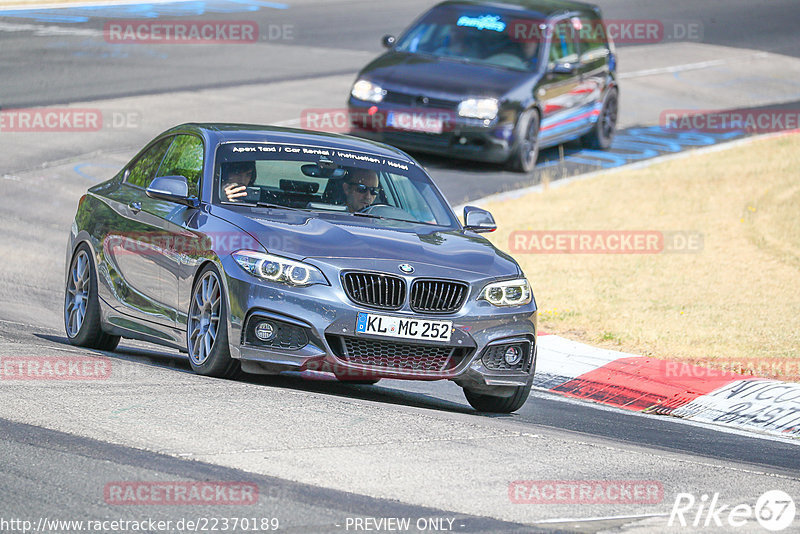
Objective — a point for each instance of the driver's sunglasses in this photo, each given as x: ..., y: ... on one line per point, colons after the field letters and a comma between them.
x: 361, y: 189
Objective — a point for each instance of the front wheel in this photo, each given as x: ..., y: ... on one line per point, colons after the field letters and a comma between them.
x: 524, y: 157
x: 602, y: 134
x: 82, y: 306
x: 493, y: 404
x: 207, y: 328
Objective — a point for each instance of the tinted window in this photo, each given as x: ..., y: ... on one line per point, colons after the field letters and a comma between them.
x: 477, y: 34
x: 593, y: 39
x: 143, y: 170
x: 184, y: 158
x: 327, y: 181
x: 563, y: 46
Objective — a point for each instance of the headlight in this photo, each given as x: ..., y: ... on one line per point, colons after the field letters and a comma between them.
x: 478, y: 108
x: 364, y: 90
x: 509, y: 293
x: 277, y: 269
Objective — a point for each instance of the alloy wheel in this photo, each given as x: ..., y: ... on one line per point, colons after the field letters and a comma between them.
x: 529, y: 149
x: 204, y: 314
x: 609, y: 118
x: 77, y: 294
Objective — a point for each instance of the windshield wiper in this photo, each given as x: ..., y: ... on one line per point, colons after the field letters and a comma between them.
x: 278, y: 206
x: 370, y: 215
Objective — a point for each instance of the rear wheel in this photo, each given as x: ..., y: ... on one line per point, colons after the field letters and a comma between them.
x: 207, y: 328
x: 493, y: 404
x: 82, y: 306
x: 602, y: 134
x: 524, y: 157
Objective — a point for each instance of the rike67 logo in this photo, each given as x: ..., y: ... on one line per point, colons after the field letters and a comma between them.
x: 774, y: 510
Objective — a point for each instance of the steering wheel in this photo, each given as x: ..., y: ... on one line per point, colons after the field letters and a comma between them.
x: 369, y: 208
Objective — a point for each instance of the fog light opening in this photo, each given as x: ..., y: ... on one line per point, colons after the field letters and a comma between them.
x: 265, y: 331
x: 513, y: 355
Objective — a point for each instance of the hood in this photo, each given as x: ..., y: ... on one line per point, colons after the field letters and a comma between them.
x: 303, y: 236
x: 432, y: 75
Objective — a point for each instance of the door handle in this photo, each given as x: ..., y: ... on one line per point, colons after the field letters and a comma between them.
x: 135, y: 207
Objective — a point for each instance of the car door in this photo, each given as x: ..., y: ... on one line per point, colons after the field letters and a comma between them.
x: 183, y: 246
x: 594, y: 64
x: 559, y: 93
x: 132, y: 248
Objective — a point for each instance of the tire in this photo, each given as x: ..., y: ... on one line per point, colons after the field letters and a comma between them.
x: 492, y: 404
x: 82, y: 306
x: 207, y: 328
x: 524, y: 157
x: 602, y: 134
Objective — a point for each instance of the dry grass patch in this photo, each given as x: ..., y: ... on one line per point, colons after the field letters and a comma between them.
x: 738, y: 298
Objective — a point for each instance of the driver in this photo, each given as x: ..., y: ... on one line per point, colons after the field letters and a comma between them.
x: 361, y: 188
x: 237, y: 176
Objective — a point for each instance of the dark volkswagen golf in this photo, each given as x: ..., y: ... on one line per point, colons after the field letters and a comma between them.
x: 266, y: 250
x: 492, y: 81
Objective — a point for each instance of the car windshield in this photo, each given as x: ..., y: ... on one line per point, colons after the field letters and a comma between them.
x: 477, y: 35
x: 321, y: 179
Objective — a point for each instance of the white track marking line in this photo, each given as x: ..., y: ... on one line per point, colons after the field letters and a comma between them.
x: 43, y: 30
x: 288, y: 122
x: 66, y: 5
x: 689, y: 66
x: 601, y: 518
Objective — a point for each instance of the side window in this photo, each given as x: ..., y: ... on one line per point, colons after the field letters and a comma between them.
x: 141, y: 173
x: 184, y: 158
x: 563, y: 45
x: 593, y: 39
x: 411, y: 199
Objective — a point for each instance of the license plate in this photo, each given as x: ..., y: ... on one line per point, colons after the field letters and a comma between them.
x: 403, y: 327
x: 415, y: 122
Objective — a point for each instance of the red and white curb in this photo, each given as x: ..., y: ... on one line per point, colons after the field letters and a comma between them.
x: 666, y: 387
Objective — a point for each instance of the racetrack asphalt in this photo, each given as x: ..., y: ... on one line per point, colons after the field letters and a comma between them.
x: 406, y: 449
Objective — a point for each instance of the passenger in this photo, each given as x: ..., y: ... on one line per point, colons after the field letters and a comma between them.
x: 361, y: 188
x: 237, y: 176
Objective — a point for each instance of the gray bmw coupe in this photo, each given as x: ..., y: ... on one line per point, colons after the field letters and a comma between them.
x: 265, y: 250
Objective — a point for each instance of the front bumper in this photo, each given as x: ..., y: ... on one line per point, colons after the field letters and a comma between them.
x: 318, y: 329
x: 490, y: 141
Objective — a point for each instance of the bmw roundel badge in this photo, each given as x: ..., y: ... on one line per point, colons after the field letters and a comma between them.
x: 406, y: 268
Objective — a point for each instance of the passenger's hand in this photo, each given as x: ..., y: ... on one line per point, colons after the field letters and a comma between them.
x: 234, y: 191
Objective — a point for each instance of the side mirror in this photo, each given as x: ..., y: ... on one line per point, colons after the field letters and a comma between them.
x: 478, y: 220
x: 172, y: 189
x: 388, y: 41
x: 564, y: 68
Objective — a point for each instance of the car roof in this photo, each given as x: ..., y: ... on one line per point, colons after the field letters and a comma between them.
x: 544, y: 9
x: 217, y: 133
